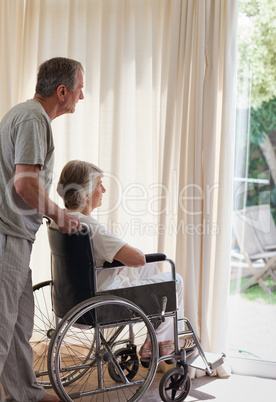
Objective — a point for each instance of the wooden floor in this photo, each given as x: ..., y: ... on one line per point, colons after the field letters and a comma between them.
x: 236, y: 388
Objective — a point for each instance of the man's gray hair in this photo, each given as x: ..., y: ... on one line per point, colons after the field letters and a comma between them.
x: 57, y: 71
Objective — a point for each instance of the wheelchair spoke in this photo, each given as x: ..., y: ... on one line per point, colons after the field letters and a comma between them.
x: 100, y: 361
x: 44, y: 325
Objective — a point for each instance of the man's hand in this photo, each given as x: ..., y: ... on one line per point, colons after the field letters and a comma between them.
x: 68, y: 223
x: 32, y: 192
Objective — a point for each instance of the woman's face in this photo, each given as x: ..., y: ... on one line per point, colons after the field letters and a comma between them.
x: 97, y: 193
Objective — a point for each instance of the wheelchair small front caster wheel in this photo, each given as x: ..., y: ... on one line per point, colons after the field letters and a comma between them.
x: 129, y: 363
x: 174, y: 385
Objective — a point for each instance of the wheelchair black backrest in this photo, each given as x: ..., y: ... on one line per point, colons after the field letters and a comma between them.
x: 72, y: 267
x: 73, y: 274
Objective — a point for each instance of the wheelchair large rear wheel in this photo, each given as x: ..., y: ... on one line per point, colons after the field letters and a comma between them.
x: 44, y: 327
x: 98, y: 343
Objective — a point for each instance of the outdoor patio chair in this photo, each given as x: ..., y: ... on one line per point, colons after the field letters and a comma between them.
x: 253, y: 253
x: 264, y: 225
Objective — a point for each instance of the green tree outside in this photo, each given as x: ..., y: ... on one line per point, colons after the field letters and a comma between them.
x: 257, y: 65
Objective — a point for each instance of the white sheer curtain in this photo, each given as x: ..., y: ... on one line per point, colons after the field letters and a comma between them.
x: 198, y: 159
x: 158, y: 118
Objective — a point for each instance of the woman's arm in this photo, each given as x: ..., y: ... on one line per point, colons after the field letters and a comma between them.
x: 130, y: 256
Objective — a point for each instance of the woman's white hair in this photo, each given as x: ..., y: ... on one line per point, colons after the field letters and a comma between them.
x: 77, y: 179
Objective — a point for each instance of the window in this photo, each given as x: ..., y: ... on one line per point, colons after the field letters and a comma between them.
x: 252, y: 328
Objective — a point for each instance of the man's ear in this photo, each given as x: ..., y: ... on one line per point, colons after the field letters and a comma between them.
x: 61, y: 90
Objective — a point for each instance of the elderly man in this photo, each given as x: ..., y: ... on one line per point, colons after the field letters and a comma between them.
x: 26, y: 166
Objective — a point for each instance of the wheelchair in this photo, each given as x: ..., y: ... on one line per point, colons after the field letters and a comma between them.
x: 86, y: 342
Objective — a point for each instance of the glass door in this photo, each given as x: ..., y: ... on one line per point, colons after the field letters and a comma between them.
x: 252, y: 307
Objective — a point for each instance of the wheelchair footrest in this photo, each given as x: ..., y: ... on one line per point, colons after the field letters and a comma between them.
x: 214, y: 360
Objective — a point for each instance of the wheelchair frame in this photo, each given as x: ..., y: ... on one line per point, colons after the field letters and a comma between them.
x: 95, y: 335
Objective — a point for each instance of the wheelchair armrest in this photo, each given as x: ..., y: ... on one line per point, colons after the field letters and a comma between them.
x: 113, y: 264
x: 156, y: 257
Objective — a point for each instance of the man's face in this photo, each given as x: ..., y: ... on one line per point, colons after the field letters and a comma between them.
x: 72, y: 98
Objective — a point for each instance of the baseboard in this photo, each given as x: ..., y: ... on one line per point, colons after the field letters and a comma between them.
x: 253, y: 367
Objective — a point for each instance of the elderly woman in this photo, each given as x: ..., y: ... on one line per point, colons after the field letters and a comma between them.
x: 80, y: 186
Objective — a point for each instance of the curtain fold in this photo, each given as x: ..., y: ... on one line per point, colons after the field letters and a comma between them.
x: 158, y: 118
x: 201, y: 113
x: 11, y: 32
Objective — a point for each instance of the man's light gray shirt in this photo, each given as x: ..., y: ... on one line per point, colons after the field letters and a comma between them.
x: 25, y: 138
